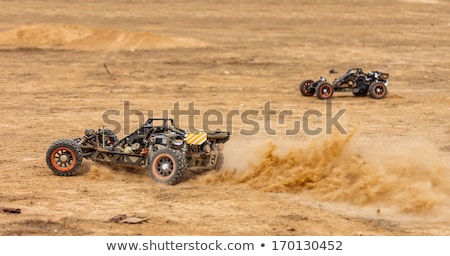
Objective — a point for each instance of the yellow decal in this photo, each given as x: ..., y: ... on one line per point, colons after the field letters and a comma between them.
x: 196, y: 138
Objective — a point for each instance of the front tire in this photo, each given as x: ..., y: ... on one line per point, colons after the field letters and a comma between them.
x: 377, y: 90
x: 168, y: 166
x: 305, y: 89
x: 324, y: 91
x: 64, y: 157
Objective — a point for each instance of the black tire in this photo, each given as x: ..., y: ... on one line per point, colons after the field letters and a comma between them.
x: 304, y: 90
x: 64, y: 157
x: 324, y: 91
x: 377, y: 90
x: 168, y: 166
x: 220, y: 161
x: 362, y: 93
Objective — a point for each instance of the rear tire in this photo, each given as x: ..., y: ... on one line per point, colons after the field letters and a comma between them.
x: 220, y: 161
x: 377, y: 90
x: 304, y: 88
x: 324, y: 91
x: 168, y: 166
x: 64, y: 157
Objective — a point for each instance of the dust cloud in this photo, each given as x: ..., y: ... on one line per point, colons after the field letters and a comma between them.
x: 99, y: 172
x: 402, y: 174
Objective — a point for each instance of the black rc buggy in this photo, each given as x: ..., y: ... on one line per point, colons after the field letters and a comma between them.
x: 354, y: 80
x: 166, y: 150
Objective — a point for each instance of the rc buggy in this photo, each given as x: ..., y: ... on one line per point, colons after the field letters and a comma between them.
x: 166, y: 150
x: 354, y: 80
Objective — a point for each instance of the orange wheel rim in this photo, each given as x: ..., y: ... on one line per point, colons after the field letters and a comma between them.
x: 325, y: 91
x: 63, y: 159
x: 379, y: 90
x: 304, y: 87
x: 164, y: 166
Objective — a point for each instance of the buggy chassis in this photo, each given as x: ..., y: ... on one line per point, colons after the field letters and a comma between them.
x: 354, y: 80
x: 166, y: 150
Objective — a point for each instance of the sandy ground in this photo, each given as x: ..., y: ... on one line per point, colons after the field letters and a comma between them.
x: 389, y: 175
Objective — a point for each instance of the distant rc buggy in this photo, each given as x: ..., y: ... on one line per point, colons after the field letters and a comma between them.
x: 354, y: 80
x: 166, y: 150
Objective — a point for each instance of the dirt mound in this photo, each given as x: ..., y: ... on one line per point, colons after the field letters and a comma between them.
x: 77, y: 37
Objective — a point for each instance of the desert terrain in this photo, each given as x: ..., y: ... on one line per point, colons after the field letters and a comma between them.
x: 64, y: 64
